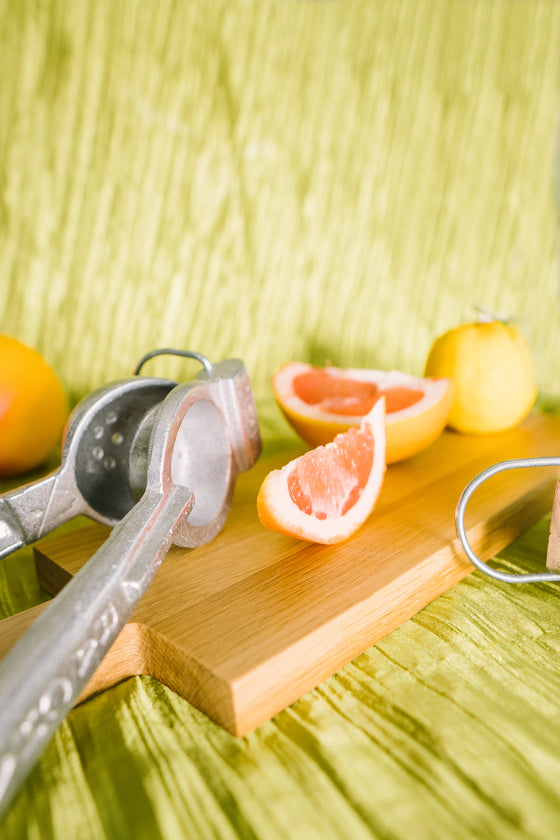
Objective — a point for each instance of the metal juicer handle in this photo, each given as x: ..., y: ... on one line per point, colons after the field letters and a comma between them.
x: 20, y: 522
x: 43, y: 675
x: 506, y: 577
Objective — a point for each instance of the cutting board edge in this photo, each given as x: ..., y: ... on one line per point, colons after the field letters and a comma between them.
x: 141, y: 651
x: 258, y: 695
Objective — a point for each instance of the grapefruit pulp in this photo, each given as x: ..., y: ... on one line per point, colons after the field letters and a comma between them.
x: 322, y: 402
x: 325, y: 495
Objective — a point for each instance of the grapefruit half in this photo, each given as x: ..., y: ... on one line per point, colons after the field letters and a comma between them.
x: 325, y: 495
x: 319, y: 403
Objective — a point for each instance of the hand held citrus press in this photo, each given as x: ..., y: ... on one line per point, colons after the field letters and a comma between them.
x: 155, y: 460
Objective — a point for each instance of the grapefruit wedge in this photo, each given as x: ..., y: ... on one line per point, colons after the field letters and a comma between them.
x: 325, y: 495
x: 319, y: 403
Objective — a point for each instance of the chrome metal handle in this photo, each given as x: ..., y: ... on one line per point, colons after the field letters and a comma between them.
x: 514, y: 464
x: 29, y: 512
x: 44, y: 674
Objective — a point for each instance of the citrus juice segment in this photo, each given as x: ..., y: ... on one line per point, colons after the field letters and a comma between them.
x: 493, y: 373
x: 329, y: 482
x: 326, y: 494
x: 33, y: 407
x: 319, y: 403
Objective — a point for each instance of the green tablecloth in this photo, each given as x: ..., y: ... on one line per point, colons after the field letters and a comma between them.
x: 310, y: 180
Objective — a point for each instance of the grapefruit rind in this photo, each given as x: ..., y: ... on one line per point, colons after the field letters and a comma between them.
x: 277, y: 510
x: 408, y: 430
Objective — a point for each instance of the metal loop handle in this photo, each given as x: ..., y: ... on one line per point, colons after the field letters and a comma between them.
x: 460, y: 519
x: 169, y: 351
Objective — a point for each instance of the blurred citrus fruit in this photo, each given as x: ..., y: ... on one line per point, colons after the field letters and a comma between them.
x: 326, y: 494
x: 322, y: 402
x: 492, y: 369
x: 33, y: 407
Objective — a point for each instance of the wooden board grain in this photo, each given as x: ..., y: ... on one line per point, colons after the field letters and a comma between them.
x: 244, y: 626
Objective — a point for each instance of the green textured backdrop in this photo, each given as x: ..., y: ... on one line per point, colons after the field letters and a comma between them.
x: 276, y: 179
x: 293, y: 179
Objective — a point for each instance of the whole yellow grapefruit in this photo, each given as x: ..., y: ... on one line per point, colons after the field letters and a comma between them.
x: 33, y: 407
x: 493, y: 373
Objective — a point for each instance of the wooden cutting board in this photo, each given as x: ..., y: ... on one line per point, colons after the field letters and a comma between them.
x: 247, y: 624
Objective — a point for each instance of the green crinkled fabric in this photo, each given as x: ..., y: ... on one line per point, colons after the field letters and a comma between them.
x: 309, y: 180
